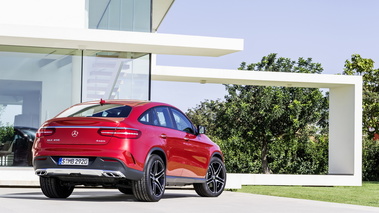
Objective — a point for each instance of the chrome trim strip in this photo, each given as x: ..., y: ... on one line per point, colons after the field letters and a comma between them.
x: 87, y: 127
x: 89, y: 172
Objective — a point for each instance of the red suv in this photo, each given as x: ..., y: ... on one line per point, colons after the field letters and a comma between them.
x: 138, y: 147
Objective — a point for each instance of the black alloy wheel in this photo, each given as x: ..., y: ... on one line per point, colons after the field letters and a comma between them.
x: 215, y: 180
x: 152, y: 186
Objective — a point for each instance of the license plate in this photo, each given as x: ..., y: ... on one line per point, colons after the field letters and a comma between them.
x: 73, y: 161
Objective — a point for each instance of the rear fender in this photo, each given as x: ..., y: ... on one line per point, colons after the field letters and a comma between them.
x: 157, y: 151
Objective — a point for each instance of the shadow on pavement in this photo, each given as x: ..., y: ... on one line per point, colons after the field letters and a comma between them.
x: 95, y: 195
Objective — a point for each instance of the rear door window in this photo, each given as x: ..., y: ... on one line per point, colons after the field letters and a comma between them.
x: 149, y: 118
x: 157, y: 116
x: 163, y: 115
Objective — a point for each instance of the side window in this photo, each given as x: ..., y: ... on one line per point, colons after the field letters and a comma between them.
x: 149, y: 118
x: 182, y: 122
x: 163, y: 116
x: 158, y: 116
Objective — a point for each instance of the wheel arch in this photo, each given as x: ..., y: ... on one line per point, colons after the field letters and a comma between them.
x: 157, y: 151
x: 218, y: 155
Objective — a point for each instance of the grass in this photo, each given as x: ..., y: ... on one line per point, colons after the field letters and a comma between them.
x: 365, y: 195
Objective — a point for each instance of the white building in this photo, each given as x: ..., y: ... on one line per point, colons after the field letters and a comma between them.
x: 56, y: 53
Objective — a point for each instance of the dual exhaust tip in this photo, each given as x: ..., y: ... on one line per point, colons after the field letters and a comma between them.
x: 98, y: 173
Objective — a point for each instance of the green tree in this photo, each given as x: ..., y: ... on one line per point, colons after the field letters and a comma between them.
x: 370, y: 159
x: 206, y: 114
x: 6, y: 134
x: 254, y: 118
x: 365, y: 68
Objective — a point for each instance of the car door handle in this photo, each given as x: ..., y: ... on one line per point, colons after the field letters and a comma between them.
x: 164, y: 136
x: 186, y: 139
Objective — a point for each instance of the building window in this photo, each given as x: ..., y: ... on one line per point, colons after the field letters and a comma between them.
x: 115, y: 75
x: 31, y: 80
x: 123, y: 15
x: 38, y: 83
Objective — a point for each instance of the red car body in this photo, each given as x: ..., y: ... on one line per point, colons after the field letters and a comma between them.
x: 109, y: 143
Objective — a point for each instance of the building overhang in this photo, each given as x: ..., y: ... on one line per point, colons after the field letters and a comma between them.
x: 159, y: 11
x: 223, y: 76
x: 107, y: 40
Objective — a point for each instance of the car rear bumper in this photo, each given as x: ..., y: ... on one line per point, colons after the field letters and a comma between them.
x: 84, y: 172
x: 98, y: 167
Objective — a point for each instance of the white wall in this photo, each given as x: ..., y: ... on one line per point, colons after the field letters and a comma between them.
x: 48, y: 13
x: 345, y: 119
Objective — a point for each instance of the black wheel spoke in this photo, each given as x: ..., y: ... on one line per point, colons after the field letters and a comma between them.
x: 154, y: 187
x: 214, y: 180
x: 158, y: 188
x: 214, y: 186
x: 159, y: 174
x: 218, y: 171
x: 211, y: 169
x: 219, y: 184
x: 209, y: 180
x: 157, y: 178
x: 219, y: 179
x: 155, y: 167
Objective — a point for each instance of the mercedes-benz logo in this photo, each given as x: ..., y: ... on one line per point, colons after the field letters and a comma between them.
x: 74, y: 133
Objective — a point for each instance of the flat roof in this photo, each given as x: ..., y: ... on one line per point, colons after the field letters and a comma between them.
x: 125, y: 41
x: 224, y: 76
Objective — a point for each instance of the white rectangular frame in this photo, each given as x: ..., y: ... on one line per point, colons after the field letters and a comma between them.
x: 345, y: 120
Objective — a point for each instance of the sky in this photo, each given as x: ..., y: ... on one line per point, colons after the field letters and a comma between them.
x: 328, y: 31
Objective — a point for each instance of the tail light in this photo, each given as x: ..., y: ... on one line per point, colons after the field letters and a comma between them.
x: 46, y: 131
x: 127, y: 133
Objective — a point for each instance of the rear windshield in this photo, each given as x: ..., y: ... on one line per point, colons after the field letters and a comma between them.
x: 96, y: 110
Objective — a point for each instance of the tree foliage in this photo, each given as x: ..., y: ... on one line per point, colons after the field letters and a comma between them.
x: 365, y: 68
x: 6, y: 133
x: 370, y: 159
x: 269, y: 129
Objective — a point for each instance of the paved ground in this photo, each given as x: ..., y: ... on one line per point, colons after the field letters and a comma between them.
x: 31, y: 200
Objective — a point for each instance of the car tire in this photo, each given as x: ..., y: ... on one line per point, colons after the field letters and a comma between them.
x: 215, y: 180
x: 54, y: 188
x: 152, y: 185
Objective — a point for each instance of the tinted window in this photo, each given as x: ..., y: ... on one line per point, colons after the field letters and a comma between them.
x: 149, y: 117
x: 182, y: 122
x: 96, y: 110
x: 163, y: 115
x: 158, y: 116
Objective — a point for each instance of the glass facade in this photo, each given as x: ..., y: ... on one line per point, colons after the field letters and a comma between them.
x: 38, y: 83
x: 32, y: 79
x: 123, y: 15
x: 115, y: 75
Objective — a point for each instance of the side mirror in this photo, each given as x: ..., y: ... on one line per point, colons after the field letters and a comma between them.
x: 201, y: 129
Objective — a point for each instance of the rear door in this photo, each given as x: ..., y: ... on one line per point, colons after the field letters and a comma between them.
x: 162, y: 128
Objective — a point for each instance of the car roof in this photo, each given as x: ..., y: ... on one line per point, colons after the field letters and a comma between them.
x: 132, y: 103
